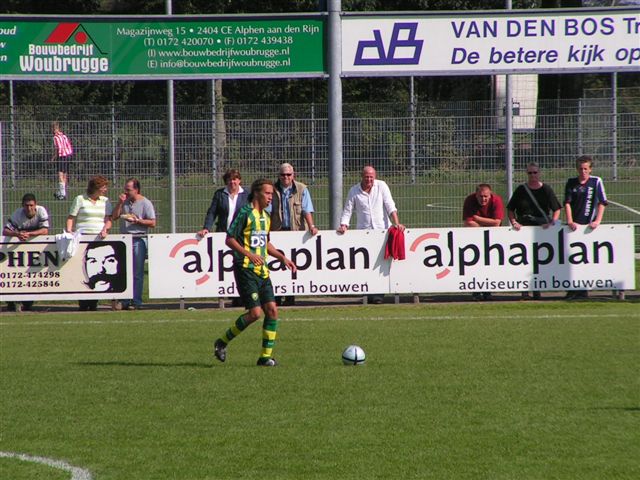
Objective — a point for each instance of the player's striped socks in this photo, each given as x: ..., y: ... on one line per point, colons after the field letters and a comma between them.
x: 235, y: 329
x: 269, y: 328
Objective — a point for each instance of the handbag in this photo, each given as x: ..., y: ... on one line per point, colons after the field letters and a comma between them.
x: 536, y: 220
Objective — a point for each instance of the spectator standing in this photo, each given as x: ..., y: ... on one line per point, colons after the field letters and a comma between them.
x: 27, y: 222
x: 137, y: 216
x: 374, y: 207
x: 483, y: 208
x: 248, y: 237
x: 584, y: 203
x: 533, y: 204
x: 62, y: 159
x: 226, y: 203
x: 291, y: 210
x: 90, y: 213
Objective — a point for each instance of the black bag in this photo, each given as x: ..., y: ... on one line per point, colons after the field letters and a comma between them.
x: 531, y: 220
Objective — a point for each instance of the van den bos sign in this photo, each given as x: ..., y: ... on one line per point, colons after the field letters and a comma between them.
x: 514, y: 42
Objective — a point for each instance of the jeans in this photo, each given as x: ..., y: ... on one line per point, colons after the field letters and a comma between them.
x: 139, y: 256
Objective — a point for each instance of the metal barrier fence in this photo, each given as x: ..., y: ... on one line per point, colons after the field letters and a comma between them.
x: 431, y: 154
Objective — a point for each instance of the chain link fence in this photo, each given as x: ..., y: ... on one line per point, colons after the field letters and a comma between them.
x: 431, y: 154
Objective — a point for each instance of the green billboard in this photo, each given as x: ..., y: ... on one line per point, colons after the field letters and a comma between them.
x: 161, y: 47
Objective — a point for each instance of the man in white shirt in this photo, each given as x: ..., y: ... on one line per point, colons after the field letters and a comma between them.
x: 27, y: 222
x: 374, y: 206
x: 372, y: 201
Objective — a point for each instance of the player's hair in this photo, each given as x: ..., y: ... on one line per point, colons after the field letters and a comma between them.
x: 96, y: 183
x: 231, y: 174
x: 483, y: 186
x: 28, y: 197
x: 584, y: 159
x: 257, y: 187
x: 135, y: 181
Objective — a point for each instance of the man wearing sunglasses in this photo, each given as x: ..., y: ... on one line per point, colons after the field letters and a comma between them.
x: 291, y: 210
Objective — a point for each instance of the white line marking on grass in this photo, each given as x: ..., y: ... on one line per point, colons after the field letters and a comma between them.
x: 454, y: 317
x: 77, y: 473
x: 442, y: 207
x: 116, y: 322
x: 624, y: 206
x: 308, y: 319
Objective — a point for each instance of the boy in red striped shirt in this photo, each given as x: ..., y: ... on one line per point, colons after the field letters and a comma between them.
x: 62, y: 159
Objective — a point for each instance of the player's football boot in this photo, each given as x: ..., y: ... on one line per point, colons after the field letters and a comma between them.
x: 267, y: 362
x: 220, y: 350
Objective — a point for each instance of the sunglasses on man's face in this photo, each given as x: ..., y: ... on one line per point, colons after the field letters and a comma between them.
x: 532, y: 173
x: 286, y: 174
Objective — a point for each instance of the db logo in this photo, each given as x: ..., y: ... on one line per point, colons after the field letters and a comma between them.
x: 434, y: 254
x: 403, y: 49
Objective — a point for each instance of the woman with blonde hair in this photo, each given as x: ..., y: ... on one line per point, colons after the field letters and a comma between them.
x: 90, y: 214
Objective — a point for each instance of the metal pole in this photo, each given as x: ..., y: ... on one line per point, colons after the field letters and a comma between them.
x: 508, y: 131
x: 412, y: 130
x: 1, y: 177
x: 313, y: 143
x: 580, y: 142
x: 335, y: 112
x: 172, y: 143
x: 508, y: 127
x: 12, y: 134
x: 114, y: 146
x: 614, y: 123
x: 214, y: 133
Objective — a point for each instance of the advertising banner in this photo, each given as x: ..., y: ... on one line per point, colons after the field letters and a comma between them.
x: 104, y: 48
x: 36, y: 270
x: 540, y: 41
x: 437, y: 260
x: 183, y: 266
x: 502, y: 259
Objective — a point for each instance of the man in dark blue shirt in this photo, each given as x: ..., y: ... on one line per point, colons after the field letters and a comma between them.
x: 584, y: 203
x: 584, y: 196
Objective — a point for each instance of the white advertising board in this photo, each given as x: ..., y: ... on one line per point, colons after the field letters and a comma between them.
x: 502, y: 259
x: 35, y: 270
x: 183, y: 266
x: 437, y: 260
x: 492, y: 42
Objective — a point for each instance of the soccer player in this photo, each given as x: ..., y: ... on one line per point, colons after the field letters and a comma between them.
x: 248, y: 237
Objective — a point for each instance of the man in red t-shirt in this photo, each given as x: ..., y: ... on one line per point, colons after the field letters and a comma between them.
x: 483, y: 209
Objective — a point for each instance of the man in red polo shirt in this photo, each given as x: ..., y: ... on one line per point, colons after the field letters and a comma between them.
x: 483, y: 209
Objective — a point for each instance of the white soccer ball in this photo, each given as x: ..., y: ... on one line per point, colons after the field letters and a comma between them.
x: 353, y: 355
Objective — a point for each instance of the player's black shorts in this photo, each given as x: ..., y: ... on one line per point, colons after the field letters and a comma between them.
x: 63, y: 164
x: 254, y: 290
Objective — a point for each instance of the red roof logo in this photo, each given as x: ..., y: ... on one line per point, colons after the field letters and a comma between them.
x: 71, y: 32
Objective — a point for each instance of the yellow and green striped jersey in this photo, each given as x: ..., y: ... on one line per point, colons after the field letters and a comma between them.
x: 251, y: 229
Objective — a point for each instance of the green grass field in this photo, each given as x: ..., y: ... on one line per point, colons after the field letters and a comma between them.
x: 449, y: 391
